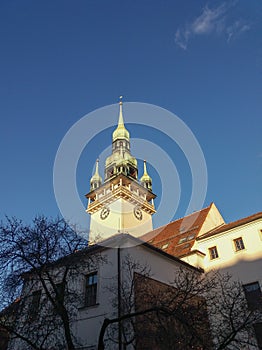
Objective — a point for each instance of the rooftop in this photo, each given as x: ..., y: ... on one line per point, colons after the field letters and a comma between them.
x: 231, y: 225
x: 178, y: 237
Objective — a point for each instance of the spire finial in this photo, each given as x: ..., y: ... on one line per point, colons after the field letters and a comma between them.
x: 120, y: 119
x: 145, y: 169
x: 97, y: 161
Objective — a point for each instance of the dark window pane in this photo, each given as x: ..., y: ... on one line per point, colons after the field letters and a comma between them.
x: 60, y: 288
x: 253, y: 295
x: 91, y: 289
x: 258, y: 333
x: 34, y: 307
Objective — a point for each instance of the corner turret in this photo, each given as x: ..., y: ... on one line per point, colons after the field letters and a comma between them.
x: 146, y: 180
x: 96, y: 179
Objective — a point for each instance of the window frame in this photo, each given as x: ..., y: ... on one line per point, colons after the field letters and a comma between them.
x: 187, y: 238
x: 34, y: 305
x: 216, y: 255
x: 182, y: 240
x: 241, y: 246
x: 60, y: 287
x: 165, y: 246
x: 253, y: 296
x: 258, y: 333
x: 91, y: 290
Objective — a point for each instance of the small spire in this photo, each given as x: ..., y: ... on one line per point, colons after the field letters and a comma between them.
x: 96, y: 179
x: 146, y: 180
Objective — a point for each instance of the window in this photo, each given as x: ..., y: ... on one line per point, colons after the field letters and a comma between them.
x: 60, y: 288
x: 187, y: 238
x: 239, y: 244
x: 213, y: 253
x: 182, y: 240
x: 91, y: 289
x: 165, y: 246
x: 34, y: 306
x: 132, y: 172
x: 253, y: 295
x: 258, y: 333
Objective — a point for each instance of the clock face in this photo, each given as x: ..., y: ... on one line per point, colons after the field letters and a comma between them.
x: 104, y: 213
x: 138, y: 213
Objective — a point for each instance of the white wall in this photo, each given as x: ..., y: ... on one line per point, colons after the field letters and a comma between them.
x: 245, y: 265
x: 121, y: 218
x: 90, y: 319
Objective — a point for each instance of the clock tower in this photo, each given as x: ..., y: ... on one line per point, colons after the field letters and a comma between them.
x: 121, y: 203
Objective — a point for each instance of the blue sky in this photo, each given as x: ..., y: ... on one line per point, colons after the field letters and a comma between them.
x: 63, y: 59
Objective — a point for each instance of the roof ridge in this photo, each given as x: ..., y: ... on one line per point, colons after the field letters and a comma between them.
x: 233, y: 224
x: 246, y: 217
x: 184, y: 217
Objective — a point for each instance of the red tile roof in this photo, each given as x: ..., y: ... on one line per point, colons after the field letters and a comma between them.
x: 231, y: 225
x: 178, y: 237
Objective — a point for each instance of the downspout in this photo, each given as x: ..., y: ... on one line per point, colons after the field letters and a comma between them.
x: 119, y: 296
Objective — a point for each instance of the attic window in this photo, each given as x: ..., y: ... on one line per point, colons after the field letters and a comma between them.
x: 187, y: 238
x: 182, y: 240
x: 191, y: 237
x: 165, y: 246
x: 194, y: 228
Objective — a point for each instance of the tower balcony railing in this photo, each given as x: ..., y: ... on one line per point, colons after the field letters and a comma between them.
x: 110, y: 192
